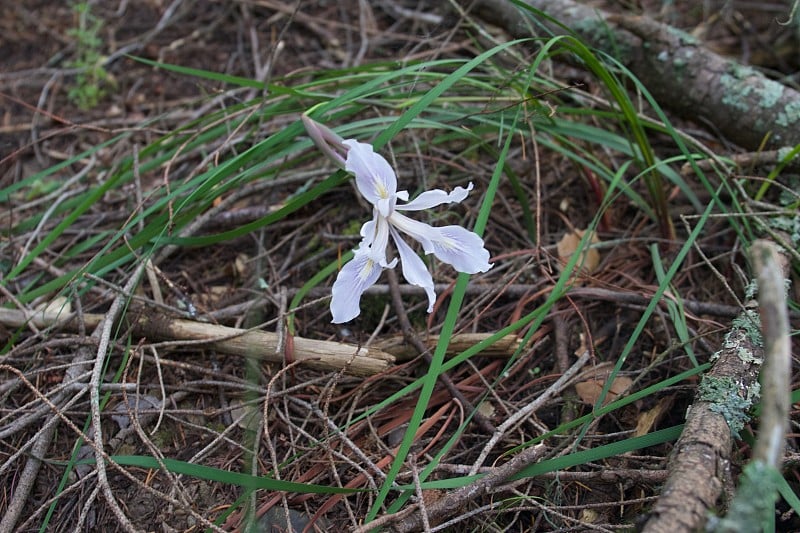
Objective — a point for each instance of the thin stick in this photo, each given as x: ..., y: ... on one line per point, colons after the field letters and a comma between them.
x: 27, y: 477
x: 455, y: 501
x: 423, y: 512
x: 531, y: 408
x: 94, y: 397
x: 777, y: 369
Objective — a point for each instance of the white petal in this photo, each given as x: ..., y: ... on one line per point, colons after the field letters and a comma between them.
x: 436, y: 197
x: 419, y: 230
x: 375, y: 240
x: 355, y: 277
x: 381, y: 242
x: 368, y: 233
x: 461, y: 248
x: 414, y: 269
x: 451, y: 244
x: 375, y: 178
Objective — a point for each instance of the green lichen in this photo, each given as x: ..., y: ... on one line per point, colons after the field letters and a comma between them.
x: 789, y: 115
x: 750, y: 323
x: 598, y: 31
x: 736, y: 93
x: 741, y: 71
x: 789, y: 221
x: 747, y: 355
x: 790, y: 225
x: 769, y: 93
x: 745, y: 334
x: 727, y: 398
x: 740, y: 89
x: 785, y: 152
x: 686, y: 39
x: 682, y: 60
x: 751, y: 290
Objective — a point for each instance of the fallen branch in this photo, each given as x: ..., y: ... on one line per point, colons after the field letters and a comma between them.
x: 700, y: 463
x: 398, y: 347
x: 325, y: 355
x: 754, y: 505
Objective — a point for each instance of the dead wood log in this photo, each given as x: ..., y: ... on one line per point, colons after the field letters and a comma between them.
x: 734, y: 100
x: 325, y: 355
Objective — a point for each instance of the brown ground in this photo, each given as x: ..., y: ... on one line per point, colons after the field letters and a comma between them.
x: 41, y: 127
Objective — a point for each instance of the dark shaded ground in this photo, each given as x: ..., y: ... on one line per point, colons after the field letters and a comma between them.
x: 41, y: 127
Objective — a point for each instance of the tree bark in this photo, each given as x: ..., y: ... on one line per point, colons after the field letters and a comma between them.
x: 731, y: 99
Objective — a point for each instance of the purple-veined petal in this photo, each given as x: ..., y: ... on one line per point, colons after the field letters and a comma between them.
x: 436, y: 197
x: 375, y: 178
x: 356, y: 276
x: 453, y: 245
x: 414, y: 269
x: 461, y: 248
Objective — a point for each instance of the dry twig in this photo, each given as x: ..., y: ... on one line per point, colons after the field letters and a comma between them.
x: 325, y: 355
x: 454, y: 502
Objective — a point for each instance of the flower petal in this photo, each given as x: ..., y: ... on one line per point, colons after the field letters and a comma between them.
x: 355, y: 277
x: 368, y: 233
x: 381, y: 242
x: 375, y: 240
x: 375, y: 178
x: 416, y: 229
x: 451, y: 244
x: 436, y: 197
x: 414, y: 269
x: 461, y: 248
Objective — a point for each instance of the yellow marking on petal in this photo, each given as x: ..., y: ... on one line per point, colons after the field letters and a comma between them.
x: 368, y: 266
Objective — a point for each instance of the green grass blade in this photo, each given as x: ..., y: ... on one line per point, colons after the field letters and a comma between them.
x: 224, y: 476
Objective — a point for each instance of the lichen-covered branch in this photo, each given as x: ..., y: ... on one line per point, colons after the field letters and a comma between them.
x: 754, y: 503
x: 700, y: 461
x: 683, y: 76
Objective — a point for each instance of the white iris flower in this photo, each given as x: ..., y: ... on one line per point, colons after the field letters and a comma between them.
x: 377, y: 183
